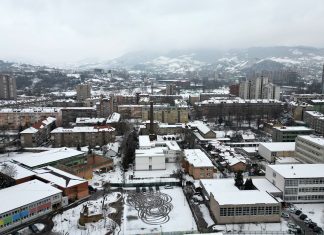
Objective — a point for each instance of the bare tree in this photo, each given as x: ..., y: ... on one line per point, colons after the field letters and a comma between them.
x: 9, y: 170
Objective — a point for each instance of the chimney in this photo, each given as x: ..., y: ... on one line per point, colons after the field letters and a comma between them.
x: 152, y: 135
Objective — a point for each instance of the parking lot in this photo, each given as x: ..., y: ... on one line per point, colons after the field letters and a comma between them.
x: 299, y: 223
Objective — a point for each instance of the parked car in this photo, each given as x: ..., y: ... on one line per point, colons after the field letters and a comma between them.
x: 168, y: 187
x: 92, y: 189
x: 291, y: 209
x: 291, y: 225
x: 144, y: 190
x: 302, y: 216
x: 298, y: 212
x: 307, y: 220
x: 292, y: 230
x: 312, y: 225
x: 318, y: 229
x: 284, y: 215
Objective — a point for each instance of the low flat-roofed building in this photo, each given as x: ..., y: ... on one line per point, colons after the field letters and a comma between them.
x: 300, y: 183
x: 73, y: 187
x: 53, y: 157
x: 232, y: 205
x: 150, y: 159
x: 310, y: 149
x: 289, y: 133
x: 27, y: 201
x: 16, y: 172
x: 171, y: 149
x: 197, y: 164
x: 272, y: 150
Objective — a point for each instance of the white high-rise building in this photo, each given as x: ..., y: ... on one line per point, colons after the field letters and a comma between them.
x: 259, y: 88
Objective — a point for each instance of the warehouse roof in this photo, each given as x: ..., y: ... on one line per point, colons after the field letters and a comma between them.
x: 47, y: 157
x: 23, y: 194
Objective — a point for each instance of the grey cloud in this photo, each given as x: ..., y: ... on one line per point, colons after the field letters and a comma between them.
x: 55, y: 32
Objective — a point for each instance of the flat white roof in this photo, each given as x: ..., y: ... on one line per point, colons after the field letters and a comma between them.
x: 19, y: 171
x: 144, y: 141
x: 58, y: 177
x: 152, y: 152
x: 24, y: 194
x: 197, y: 158
x: 278, y: 146
x: 314, y: 139
x: 83, y: 129
x: 293, y: 128
x: 47, y: 157
x: 226, y: 193
x: 299, y: 170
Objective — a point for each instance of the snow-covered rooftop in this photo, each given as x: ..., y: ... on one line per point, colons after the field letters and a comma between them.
x: 88, y: 129
x: 223, y: 191
x: 58, y: 177
x: 17, y: 171
x: 312, y: 138
x: 278, y: 146
x: 299, y: 170
x: 24, y: 194
x: 114, y: 117
x: 152, y: 152
x: 293, y: 128
x: 197, y: 158
x: 47, y: 157
x: 144, y: 141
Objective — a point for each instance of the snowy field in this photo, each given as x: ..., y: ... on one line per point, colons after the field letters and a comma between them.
x: 116, y: 175
x: 68, y: 221
x: 314, y: 211
x: 176, y: 215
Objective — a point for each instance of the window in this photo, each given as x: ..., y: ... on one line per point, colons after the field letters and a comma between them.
x: 254, y: 210
x: 261, y: 210
x: 238, y: 211
x: 246, y: 210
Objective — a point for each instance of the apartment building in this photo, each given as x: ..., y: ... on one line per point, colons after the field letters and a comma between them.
x: 8, y: 90
x: 197, y: 164
x: 310, y: 149
x: 16, y: 118
x: 299, y: 183
x: 238, y: 109
x: 83, y: 136
x: 289, y: 133
x: 38, y: 133
x: 83, y: 91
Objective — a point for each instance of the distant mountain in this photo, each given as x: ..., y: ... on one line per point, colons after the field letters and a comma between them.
x: 181, y: 61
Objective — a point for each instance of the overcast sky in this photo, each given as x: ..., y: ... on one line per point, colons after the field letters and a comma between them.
x: 56, y: 32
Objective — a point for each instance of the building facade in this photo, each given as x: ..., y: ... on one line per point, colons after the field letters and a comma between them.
x: 310, y: 149
x: 299, y: 183
x: 8, y: 90
x: 289, y: 133
x: 83, y: 91
x: 83, y: 136
x: 21, y: 203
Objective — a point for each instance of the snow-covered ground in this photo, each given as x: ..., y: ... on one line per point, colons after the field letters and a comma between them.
x: 68, y: 221
x: 205, y: 212
x: 181, y: 218
x: 116, y: 175
x: 314, y: 211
